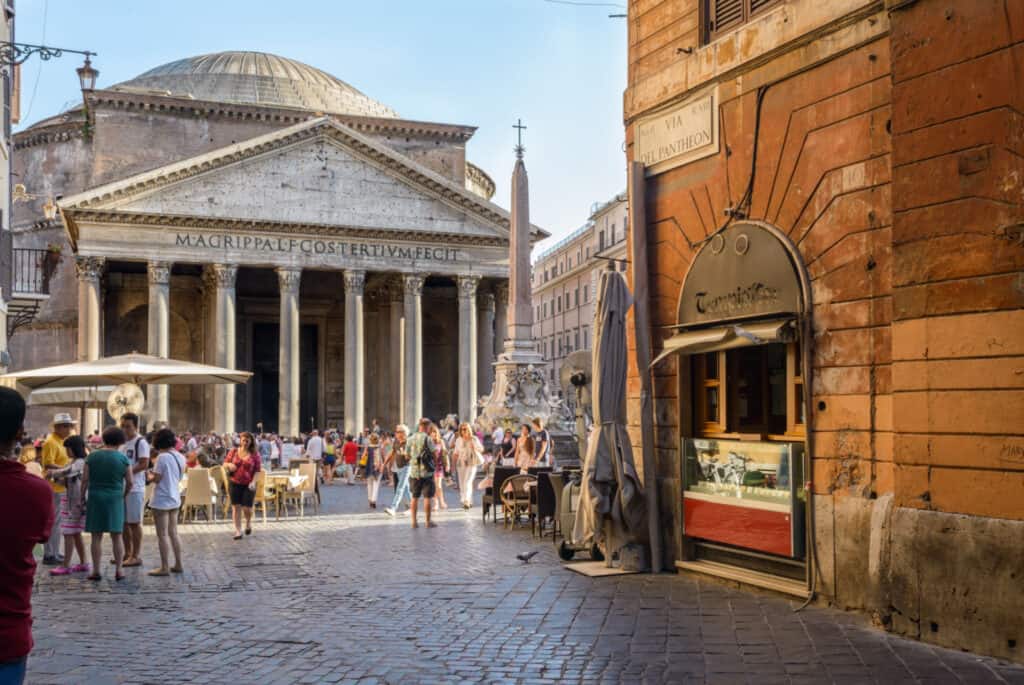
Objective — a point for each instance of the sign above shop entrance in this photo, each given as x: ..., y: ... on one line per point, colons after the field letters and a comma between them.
x: 742, y: 272
x: 681, y: 134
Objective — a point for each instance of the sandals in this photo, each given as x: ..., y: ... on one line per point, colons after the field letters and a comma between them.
x: 133, y: 563
x: 177, y: 569
x: 94, y: 577
x: 248, y: 531
x: 119, y: 577
x: 158, y: 572
x: 237, y: 537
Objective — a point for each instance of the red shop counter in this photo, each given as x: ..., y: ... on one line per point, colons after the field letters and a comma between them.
x: 745, y: 494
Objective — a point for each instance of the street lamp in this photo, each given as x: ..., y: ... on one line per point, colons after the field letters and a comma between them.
x: 21, y: 194
x: 86, y: 74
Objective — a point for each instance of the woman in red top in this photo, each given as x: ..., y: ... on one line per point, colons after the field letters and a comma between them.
x: 242, y: 464
x: 350, y: 452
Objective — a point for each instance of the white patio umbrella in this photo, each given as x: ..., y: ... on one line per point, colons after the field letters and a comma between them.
x: 612, y: 509
x: 85, y: 397
x: 141, y: 369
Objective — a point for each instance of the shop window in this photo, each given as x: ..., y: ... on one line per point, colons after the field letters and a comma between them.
x: 749, y: 392
x: 722, y: 16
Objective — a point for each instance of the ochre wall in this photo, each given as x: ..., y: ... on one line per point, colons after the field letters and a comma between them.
x: 890, y: 153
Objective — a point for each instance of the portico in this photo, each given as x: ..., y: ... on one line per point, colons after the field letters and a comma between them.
x: 368, y: 274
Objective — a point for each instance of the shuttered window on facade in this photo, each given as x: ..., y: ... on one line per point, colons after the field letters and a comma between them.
x: 722, y: 16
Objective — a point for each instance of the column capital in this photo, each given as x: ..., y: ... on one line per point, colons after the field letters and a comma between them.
x: 413, y: 284
x: 501, y: 293
x: 485, y: 301
x: 289, y: 277
x: 89, y: 269
x: 467, y: 286
x: 159, y: 273
x: 355, y: 281
x: 220, y: 275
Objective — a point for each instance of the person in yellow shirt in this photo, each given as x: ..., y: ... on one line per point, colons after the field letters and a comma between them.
x: 56, y: 457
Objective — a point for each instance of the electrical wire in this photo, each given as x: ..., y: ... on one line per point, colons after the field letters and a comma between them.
x: 582, y: 3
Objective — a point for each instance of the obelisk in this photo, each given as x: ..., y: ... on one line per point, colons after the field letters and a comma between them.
x: 519, y: 344
x: 520, y: 393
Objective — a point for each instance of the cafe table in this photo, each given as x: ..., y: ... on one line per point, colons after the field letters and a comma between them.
x: 282, y: 481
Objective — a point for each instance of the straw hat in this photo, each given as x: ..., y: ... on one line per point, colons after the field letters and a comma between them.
x: 63, y: 419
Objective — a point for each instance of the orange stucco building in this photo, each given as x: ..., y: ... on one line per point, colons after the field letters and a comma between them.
x: 831, y: 196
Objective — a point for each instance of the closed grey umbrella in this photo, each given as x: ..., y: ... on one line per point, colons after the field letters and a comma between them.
x: 612, y: 510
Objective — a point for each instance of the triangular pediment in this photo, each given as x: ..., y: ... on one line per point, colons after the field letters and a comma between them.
x: 317, y: 173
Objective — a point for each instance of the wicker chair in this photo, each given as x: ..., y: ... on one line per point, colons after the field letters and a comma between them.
x: 223, y: 492
x: 199, y: 494
x: 490, y: 500
x: 515, y: 498
x: 262, y: 498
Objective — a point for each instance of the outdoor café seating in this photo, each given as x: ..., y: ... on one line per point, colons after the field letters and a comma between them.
x: 515, y: 498
x: 542, y: 502
x: 492, y: 495
x: 200, y: 493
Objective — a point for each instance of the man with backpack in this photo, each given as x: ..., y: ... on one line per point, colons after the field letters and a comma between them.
x: 421, y: 471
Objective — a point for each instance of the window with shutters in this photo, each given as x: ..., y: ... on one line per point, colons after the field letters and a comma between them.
x: 722, y: 16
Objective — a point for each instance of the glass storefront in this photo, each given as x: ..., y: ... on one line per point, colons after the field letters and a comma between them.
x: 745, y: 493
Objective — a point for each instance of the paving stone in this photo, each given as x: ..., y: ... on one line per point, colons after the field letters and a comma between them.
x: 353, y: 596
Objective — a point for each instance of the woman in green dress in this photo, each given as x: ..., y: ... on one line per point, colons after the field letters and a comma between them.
x: 107, y: 478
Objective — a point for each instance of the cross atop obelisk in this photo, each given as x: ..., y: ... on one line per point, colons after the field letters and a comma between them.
x: 519, y: 133
x: 520, y: 306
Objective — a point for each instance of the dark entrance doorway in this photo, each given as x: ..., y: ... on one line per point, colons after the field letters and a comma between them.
x: 309, y: 376
x: 266, y: 375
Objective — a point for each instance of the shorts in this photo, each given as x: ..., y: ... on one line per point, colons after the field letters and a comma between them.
x: 329, y: 460
x: 241, y: 495
x: 422, y: 487
x: 133, y: 502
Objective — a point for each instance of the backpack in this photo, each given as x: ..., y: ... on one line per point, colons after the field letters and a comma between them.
x: 426, y: 457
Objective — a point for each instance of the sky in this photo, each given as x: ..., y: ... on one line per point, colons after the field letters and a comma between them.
x: 560, y: 67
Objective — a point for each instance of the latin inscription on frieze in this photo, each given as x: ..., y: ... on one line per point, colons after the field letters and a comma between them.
x: 315, y: 246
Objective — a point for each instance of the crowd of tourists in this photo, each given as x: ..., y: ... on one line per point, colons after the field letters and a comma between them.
x: 120, y: 462
x: 57, y: 487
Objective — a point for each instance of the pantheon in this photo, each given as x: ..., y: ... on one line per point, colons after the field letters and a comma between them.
x: 250, y: 211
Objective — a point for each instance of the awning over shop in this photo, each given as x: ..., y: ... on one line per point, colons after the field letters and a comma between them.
x: 728, y: 337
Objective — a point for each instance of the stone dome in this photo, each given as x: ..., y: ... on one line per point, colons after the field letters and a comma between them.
x: 256, y: 78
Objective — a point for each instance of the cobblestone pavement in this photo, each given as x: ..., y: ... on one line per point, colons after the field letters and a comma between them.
x: 354, y: 596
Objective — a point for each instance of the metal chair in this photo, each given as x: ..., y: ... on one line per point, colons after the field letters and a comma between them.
x: 515, y: 498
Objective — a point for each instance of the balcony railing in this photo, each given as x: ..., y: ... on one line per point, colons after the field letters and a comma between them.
x: 32, y: 271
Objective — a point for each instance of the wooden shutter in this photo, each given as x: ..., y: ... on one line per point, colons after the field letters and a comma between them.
x: 758, y: 5
x: 724, y: 15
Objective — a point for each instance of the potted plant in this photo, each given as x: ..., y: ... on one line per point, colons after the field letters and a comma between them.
x: 50, y: 261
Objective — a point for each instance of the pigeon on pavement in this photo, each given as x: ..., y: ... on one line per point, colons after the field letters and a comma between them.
x: 526, y: 556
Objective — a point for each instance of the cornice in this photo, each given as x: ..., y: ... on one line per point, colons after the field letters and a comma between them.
x: 126, y: 100
x: 74, y: 216
x: 52, y: 133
